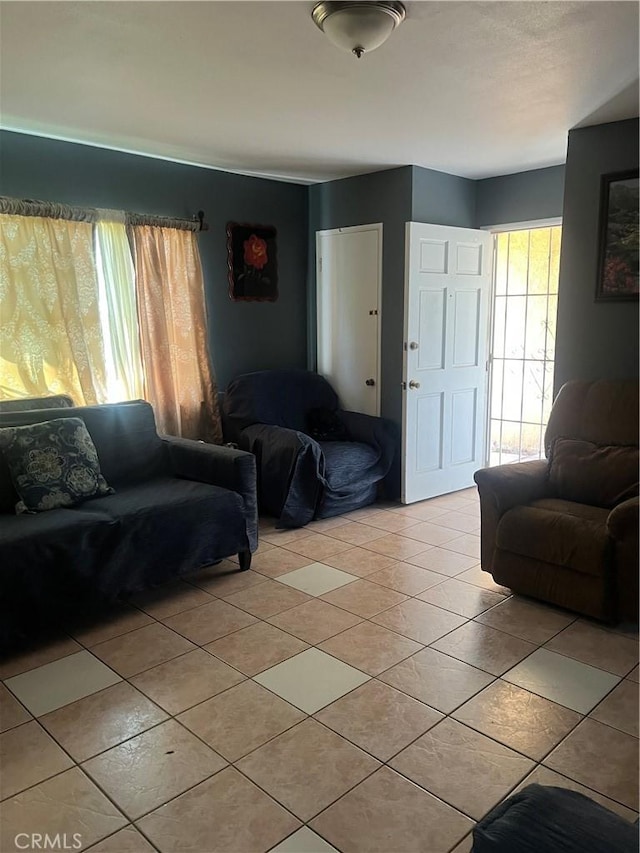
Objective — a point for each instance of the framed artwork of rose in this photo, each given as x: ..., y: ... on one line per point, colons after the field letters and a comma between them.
x: 618, y: 249
x: 252, y: 262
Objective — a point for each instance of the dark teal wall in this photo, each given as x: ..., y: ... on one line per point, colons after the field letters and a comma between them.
x: 595, y: 340
x: 442, y: 199
x: 244, y: 336
x: 523, y: 197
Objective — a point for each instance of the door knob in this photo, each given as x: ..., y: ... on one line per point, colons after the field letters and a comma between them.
x: 370, y: 382
x: 413, y: 345
x: 414, y: 384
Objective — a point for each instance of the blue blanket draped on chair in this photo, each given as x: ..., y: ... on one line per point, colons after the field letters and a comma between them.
x: 301, y: 478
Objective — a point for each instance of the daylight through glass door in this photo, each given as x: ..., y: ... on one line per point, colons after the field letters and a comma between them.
x: 523, y: 337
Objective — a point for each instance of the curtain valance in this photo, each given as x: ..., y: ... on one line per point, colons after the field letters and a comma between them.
x: 46, y: 209
x: 52, y: 210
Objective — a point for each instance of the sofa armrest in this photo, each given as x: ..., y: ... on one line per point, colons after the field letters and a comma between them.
x: 220, y: 466
x: 368, y: 429
x: 622, y: 521
x: 381, y: 433
x: 500, y: 489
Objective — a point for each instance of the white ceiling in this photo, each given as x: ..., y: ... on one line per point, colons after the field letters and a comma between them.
x: 470, y: 88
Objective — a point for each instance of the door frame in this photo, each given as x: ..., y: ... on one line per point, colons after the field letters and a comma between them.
x: 330, y: 232
x: 525, y: 225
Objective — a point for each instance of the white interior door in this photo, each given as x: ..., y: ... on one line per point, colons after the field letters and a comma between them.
x: 447, y: 290
x: 349, y: 266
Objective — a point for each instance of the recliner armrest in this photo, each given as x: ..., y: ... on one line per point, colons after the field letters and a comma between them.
x: 622, y: 527
x: 500, y: 489
x: 513, y: 485
x: 622, y: 521
x: 219, y: 466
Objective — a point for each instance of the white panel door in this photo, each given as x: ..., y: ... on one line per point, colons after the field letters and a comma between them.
x: 446, y: 333
x: 349, y: 279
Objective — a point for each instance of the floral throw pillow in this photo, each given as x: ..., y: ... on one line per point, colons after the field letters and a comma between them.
x: 52, y: 464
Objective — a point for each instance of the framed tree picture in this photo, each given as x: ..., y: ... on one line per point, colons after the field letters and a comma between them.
x: 252, y: 262
x: 618, y: 245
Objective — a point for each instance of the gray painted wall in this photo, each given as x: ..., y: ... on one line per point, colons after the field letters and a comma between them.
x: 594, y: 340
x: 244, y: 336
x: 441, y: 199
x: 522, y: 197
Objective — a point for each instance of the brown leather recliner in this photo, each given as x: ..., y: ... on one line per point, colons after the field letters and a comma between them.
x: 565, y: 529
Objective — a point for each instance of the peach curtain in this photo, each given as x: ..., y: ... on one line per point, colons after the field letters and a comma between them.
x: 51, y: 339
x: 173, y: 333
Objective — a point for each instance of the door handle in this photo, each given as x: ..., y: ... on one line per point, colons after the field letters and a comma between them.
x: 413, y: 345
x: 413, y: 384
x: 370, y: 382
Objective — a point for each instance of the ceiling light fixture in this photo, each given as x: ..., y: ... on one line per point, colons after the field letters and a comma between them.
x: 358, y: 26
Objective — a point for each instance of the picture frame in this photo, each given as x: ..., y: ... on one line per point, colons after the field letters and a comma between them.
x: 618, y: 238
x: 252, y: 262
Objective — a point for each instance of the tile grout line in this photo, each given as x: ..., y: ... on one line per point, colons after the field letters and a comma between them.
x: 310, y: 716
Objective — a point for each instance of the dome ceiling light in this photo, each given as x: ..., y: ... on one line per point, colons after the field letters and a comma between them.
x: 358, y: 26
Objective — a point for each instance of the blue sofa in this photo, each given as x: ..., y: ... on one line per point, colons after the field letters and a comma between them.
x: 179, y: 505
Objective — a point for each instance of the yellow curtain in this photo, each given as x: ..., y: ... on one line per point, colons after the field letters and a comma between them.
x: 173, y: 333
x: 50, y: 335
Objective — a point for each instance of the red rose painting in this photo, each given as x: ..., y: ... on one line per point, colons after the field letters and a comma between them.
x: 251, y: 260
x: 255, y: 252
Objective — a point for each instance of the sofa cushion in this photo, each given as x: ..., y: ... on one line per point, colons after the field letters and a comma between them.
x: 48, y: 556
x: 326, y: 425
x: 546, y: 819
x: 167, y: 526
x: 52, y: 464
x: 602, y: 476
x: 347, y: 461
x: 560, y: 532
x: 8, y: 495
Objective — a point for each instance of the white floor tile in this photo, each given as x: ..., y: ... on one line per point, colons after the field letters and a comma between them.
x: 563, y: 680
x: 61, y: 682
x: 311, y: 680
x: 304, y: 841
x: 316, y: 579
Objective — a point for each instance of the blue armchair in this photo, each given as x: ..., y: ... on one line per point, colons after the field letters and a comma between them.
x: 304, y: 472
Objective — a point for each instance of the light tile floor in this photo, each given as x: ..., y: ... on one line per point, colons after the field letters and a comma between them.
x: 347, y: 694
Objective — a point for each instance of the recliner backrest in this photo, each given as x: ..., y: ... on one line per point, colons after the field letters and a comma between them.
x: 603, y: 411
x: 277, y: 397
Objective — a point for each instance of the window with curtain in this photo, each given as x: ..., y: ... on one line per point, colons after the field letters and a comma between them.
x: 105, y: 307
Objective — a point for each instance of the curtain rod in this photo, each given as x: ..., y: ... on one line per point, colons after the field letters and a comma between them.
x: 51, y: 210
